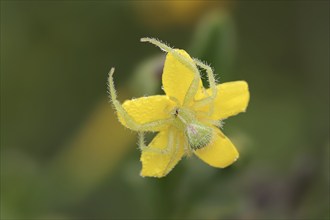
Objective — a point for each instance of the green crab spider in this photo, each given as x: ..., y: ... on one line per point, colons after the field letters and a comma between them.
x: 198, y: 135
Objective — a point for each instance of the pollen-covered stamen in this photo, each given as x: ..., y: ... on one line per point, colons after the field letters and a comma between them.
x: 198, y: 135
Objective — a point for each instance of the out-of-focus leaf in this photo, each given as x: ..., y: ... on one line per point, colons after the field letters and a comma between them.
x: 18, y: 180
x: 215, y: 40
x: 91, y: 155
x: 146, y: 79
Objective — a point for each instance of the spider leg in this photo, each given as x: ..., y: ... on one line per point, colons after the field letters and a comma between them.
x: 131, y: 123
x: 217, y: 123
x: 157, y: 43
x: 211, y: 79
x: 175, y: 152
x: 166, y: 150
x: 192, y: 90
x: 175, y: 100
x: 213, y: 87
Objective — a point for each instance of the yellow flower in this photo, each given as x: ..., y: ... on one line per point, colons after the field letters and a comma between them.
x: 187, y: 119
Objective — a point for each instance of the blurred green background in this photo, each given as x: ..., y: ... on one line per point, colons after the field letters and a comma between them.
x: 64, y: 155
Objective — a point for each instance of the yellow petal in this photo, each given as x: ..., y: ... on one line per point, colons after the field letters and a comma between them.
x: 148, y: 109
x: 220, y: 152
x: 156, y: 164
x: 177, y: 77
x: 232, y: 98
